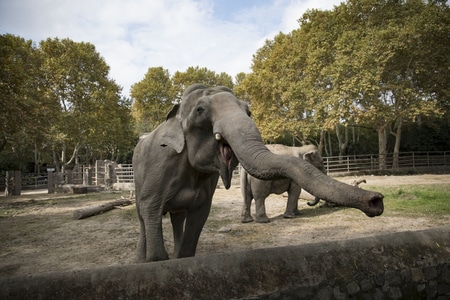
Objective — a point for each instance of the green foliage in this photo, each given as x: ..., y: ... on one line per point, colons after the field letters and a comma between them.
x: 181, y: 80
x: 378, y: 64
x: 417, y: 200
x: 57, y: 99
x: 155, y: 94
x: 92, y: 116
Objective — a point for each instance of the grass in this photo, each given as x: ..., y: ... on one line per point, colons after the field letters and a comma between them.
x: 417, y: 200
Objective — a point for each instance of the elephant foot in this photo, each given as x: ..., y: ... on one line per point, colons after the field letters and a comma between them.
x: 287, y: 215
x: 297, y: 212
x: 246, y: 219
x: 263, y: 219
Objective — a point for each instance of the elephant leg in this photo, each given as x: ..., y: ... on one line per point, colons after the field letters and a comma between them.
x: 260, y: 204
x: 247, y: 196
x: 292, y: 203
x: 177, y: 220
x: 246, y: 214
x: 141, y: 245
x: 195, y: 220
x: 151, y: 238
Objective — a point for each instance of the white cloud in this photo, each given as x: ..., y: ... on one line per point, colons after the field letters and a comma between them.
x: 175, y: 34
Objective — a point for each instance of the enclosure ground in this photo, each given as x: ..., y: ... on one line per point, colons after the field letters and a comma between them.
x: 38, y: 233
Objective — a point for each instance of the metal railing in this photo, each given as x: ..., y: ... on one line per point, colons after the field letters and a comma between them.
x: 124, y: 173
x: 371, y: 162
x: 332, y: 164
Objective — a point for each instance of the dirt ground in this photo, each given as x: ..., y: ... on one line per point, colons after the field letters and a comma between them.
x: 38, y: 233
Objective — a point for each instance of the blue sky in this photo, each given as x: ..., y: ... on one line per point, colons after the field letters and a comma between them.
x: 134, y: 35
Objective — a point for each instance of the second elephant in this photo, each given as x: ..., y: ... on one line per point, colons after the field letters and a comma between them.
x: 253, y: 188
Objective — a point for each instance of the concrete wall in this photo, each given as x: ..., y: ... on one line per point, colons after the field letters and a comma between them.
x: 408, y: 265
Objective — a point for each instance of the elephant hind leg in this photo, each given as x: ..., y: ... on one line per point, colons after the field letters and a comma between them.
x: 246, y: 215
x: 247, y: 196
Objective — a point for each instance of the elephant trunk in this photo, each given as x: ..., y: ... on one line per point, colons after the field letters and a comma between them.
x: 261, y: 163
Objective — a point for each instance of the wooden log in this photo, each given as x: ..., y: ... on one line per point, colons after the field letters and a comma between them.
x: 97, y: 209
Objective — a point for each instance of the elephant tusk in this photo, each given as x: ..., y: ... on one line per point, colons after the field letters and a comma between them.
x: 218, y: 137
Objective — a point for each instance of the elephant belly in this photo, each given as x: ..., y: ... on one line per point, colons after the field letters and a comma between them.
x: 182, y: 201
x: 280, y: 186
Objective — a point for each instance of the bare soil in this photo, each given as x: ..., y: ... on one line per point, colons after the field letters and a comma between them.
x: 38, y: 233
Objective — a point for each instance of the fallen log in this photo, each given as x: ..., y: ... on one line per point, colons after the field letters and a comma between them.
x: 97, y: 209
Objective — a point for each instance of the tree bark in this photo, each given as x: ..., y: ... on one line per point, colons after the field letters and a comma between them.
x: 342, y: 142
x: 398, y: 138
x: 97, y: 209
x: 382, y: 144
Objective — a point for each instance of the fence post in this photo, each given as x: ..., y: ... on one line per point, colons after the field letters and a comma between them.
x: 348, y: 164
x: 328, y: 166
x: 87, y: 176
x: 17, y: 182
x: 50, y: 179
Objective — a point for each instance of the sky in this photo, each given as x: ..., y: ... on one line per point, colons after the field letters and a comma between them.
x: 135, y: 35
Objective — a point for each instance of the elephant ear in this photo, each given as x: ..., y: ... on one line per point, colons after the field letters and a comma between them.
x: 308, y: 155
x: 173, y: 133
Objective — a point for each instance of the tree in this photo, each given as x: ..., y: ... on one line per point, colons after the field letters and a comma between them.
x: 278, y: 105
x: 90, y: 110
x: 366, y: 62
x: 395, y: 79
x: 181, y: 80
x: 152, y: 97
x: 24, y: 109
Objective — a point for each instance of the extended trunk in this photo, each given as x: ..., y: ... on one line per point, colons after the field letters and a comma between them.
x: 258, y: 161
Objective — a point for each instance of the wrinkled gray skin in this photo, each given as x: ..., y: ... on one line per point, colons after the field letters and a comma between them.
x: 254, y: 188
x: 177, y: 167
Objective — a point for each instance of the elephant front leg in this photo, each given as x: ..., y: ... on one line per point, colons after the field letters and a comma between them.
x: 177, y: 220
x: 260, y: 205
x: 246, y: 214
x: 292, y: 203
x: 151, y: 236
x: 195, y: 220
x: 141, y: 244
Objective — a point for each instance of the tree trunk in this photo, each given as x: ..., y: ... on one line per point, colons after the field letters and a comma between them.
x: 342, y: 142
x: 95, y: 210
x: 382, y: 145
x: 330, y: 146
x: 398, y: 137
x: 321, y: 142
x: 63, y: 158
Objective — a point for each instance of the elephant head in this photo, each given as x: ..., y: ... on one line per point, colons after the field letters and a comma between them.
x: 192, y: 127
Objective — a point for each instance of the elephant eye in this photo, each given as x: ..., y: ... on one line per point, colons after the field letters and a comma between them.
x: 200, y: 110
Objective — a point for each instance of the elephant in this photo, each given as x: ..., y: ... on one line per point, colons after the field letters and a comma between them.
x: 177, y: 167
x: 253, y: 188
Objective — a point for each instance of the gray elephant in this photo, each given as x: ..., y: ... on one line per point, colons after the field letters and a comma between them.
x: 177, y: 167
x: 254, y: 188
